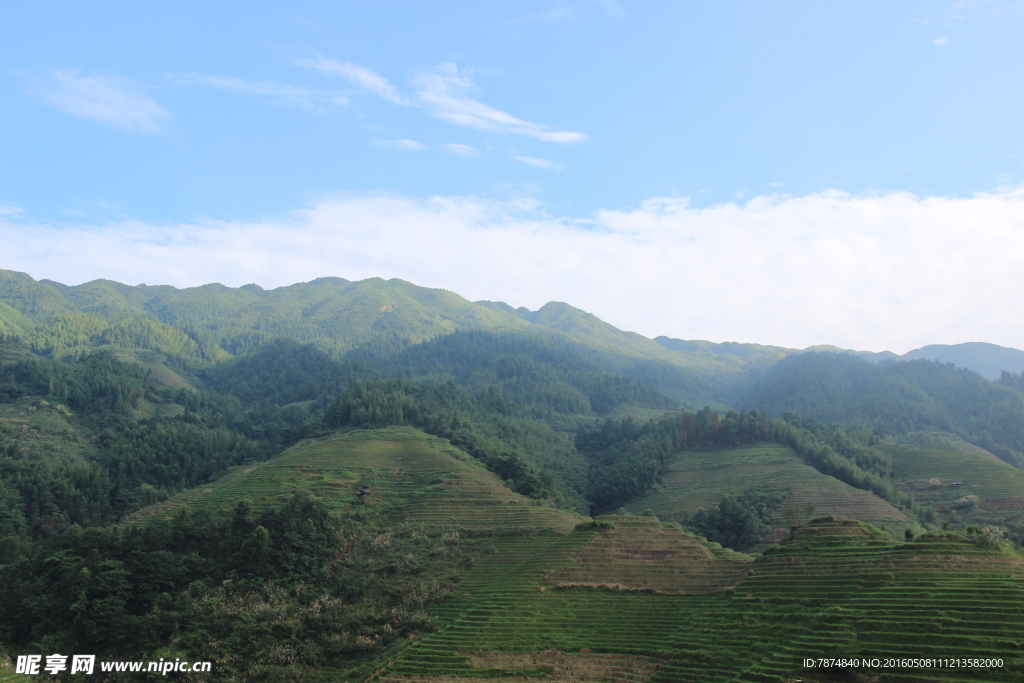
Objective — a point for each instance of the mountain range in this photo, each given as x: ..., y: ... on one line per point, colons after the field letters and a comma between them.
x: 375, y: 481
x: 213, y: 322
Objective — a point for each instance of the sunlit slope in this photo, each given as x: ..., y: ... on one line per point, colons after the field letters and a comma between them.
x: 960, y: 486
x: 398, y: 470
x: 701, y: 478
x: 836, y: 589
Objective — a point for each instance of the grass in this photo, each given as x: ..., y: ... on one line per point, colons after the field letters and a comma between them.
x: 701, y: 478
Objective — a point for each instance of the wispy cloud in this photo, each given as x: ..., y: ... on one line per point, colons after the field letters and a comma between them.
x: 360, y: 76
x: 879, y: 271
x: 940, y: 41
x: 113, y: 100
x: 612, y: 7
x: 552, y: 15
x: 461, y: 150
x: 10, y: 210
x: 540, y: 163
x: 307, y: 98
x: 400, y: 145
x: 443, y: 91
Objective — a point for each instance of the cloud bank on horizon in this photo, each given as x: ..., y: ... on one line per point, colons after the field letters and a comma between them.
x: 873, y: 271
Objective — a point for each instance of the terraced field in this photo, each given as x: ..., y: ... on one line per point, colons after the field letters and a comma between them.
x: 949, y: 479
x: 7, y: 674
x: 834, y: 589
x: 940, y: 594
x: 642, y: 553
x: 417, y: 477
x: 701, y: 478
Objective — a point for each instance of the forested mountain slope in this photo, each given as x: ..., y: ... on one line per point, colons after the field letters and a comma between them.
x: 172, y: 332
x: 988, y: 360
x: 177, y: 330
x: 898, y: 398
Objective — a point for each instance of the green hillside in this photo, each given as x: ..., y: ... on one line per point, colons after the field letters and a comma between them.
x: 988, y: 360
x: 896, y: 398
x: 696, y: 479
x: 405, y: 474
x: 915, y: 600
x: 964, y: 488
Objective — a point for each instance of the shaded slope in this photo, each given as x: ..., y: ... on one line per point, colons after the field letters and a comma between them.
x: 899, y: 398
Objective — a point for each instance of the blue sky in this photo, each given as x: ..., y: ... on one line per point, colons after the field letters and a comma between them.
x: 133, y: 129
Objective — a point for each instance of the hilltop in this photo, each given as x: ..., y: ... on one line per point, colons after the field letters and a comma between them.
x: 398, y: 472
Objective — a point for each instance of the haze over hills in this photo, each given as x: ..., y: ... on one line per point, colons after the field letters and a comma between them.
x: 988, y: 360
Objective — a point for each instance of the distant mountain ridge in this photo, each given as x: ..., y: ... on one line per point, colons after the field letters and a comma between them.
x: 986, y: 359
x: 213, y: 322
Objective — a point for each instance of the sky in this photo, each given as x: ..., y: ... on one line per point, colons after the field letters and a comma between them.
x: 789, y: 173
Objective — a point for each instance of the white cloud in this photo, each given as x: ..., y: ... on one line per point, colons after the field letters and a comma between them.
x: 540, y: 163
x: 307, y: 98
x: 443, y: 92
x: 893, y: 271
x: 10, y: 210
x: 113, y: 100
x: 461, y: 150
x: 552, y: 15
x: 400, y: 145
x: 940, y: 41
x: 361, y: 76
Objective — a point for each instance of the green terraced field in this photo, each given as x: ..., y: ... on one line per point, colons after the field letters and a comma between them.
x: 931, y: 476
x: 701, y: 478
x: 417, y: 477
x: 834, y: 589
x: 7, y: 674
x: 641, y: 553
